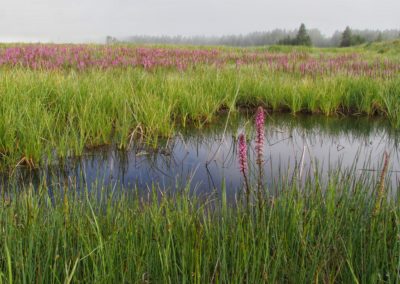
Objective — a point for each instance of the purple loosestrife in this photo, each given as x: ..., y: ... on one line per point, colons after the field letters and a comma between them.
x: 243, y: 163
x: 242, y: 154
x: 83, y: 57
x: 260, y: 120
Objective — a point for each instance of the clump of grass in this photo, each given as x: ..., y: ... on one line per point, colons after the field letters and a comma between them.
x: 50, y: 114
x: 322, y: 231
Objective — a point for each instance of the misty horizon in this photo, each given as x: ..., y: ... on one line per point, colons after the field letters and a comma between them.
x: 103, y: 39
x: 92, y: 21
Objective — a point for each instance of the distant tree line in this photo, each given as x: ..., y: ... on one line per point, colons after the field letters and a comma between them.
x: 300, y: 36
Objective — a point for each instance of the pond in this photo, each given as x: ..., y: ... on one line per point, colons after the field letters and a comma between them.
x: 296, y: 147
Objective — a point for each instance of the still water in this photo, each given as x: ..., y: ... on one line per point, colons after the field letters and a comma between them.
x: 295, y: 147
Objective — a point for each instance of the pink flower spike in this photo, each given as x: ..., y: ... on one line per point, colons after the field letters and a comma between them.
x: 260, y: 120
x: 242, y: 154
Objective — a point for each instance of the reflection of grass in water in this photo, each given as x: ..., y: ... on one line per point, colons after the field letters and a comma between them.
x: 360, y: 126
x: 324, y: 230
x: 281, y: 129
x: 284, y: 132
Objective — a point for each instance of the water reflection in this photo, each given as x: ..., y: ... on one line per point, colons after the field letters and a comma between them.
x: 296, y: 146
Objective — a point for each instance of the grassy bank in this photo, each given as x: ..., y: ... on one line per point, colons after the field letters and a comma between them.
x: 58, y: 113
x: 341, y: 230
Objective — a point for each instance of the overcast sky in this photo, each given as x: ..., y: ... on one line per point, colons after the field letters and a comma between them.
x: 83, y: 20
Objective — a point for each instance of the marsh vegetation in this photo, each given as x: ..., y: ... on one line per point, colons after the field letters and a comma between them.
x: 306, y: 196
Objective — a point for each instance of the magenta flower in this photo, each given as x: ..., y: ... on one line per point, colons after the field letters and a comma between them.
x: 242, y: 151
x: 260, y: 120
x: 242, y: 154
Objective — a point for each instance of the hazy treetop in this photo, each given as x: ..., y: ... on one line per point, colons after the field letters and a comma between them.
x: 92, y: 20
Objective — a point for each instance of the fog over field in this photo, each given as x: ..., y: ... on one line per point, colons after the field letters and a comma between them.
x: 93, y: 20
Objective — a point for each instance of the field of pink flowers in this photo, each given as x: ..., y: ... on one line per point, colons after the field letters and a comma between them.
x: 84, y: 57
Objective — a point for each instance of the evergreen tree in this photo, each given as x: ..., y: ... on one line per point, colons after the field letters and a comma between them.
x: 346, y: 38
x: 302, y: 37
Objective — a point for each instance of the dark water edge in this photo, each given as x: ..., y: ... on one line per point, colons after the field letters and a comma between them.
x: 296, y: 148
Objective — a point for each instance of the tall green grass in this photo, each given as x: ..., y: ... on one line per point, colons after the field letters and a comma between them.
x: 47, y: 114
x: 321, y: 231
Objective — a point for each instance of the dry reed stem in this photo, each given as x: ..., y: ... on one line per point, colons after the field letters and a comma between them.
x: 381, y: 185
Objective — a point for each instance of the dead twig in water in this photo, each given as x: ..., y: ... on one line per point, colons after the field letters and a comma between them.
x: 137, y: 130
